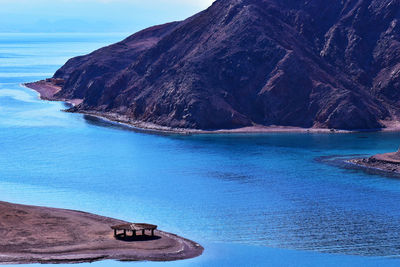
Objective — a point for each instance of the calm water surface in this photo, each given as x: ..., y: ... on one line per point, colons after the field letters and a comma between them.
x: 249, y: 199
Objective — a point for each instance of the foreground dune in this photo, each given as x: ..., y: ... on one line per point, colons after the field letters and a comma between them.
x: 32, y: 234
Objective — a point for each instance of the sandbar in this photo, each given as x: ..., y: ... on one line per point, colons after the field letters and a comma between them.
x: 31, y: 234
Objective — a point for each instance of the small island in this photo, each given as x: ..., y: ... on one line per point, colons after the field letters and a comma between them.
x: 388, y: 162
x: 33, y: 234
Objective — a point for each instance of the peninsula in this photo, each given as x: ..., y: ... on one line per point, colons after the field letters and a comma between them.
x: 32, y: 234
x: 388, y: 162
x: 249, y: 64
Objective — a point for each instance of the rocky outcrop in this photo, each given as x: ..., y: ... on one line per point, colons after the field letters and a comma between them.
x: 325, y: 64
x: 388, y: 162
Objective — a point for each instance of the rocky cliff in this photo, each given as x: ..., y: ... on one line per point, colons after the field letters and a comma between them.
x: 304, y: 63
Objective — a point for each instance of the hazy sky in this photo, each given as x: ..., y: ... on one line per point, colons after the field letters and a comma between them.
x: 93, y: 15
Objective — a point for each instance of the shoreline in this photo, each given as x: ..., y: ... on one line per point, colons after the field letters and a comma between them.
x: 47, y: 91
x: 387, y: 163
x: 33, y: 234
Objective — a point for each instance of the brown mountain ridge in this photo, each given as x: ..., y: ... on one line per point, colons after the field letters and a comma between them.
x: 303, y: 63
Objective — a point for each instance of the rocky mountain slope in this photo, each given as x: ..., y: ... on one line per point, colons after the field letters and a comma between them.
x: 304, y: 63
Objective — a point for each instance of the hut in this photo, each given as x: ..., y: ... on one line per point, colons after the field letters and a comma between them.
x: 134, y: 227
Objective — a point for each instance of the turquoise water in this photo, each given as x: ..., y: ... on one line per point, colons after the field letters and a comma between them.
x: 271, y: 199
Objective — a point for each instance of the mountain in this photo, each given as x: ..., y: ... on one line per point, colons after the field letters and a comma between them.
x: 304, y: 63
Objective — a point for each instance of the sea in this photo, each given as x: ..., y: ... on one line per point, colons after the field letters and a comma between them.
x: 274, y: 199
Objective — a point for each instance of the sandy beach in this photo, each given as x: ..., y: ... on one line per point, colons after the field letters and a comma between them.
x: 46, y: 235
x: 48, y: 90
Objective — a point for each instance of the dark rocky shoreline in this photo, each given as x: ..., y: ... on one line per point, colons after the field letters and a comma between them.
x: 48, y: 90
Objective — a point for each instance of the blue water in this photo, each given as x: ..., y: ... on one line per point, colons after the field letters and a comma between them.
x: 255, y: 200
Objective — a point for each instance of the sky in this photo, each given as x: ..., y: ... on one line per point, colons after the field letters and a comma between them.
x: 93, y: 15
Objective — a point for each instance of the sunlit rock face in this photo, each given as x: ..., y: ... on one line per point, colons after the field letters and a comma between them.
x: 306, y: 63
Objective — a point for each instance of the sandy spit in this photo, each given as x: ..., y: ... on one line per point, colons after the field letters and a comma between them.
x: 31, y: 234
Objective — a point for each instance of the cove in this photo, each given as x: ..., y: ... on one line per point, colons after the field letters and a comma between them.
x: 248, y: 199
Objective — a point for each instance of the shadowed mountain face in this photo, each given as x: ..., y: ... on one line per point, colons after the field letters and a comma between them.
x: 307, y: 63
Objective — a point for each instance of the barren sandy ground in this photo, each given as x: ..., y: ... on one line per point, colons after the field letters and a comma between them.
x: 32, y: 234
